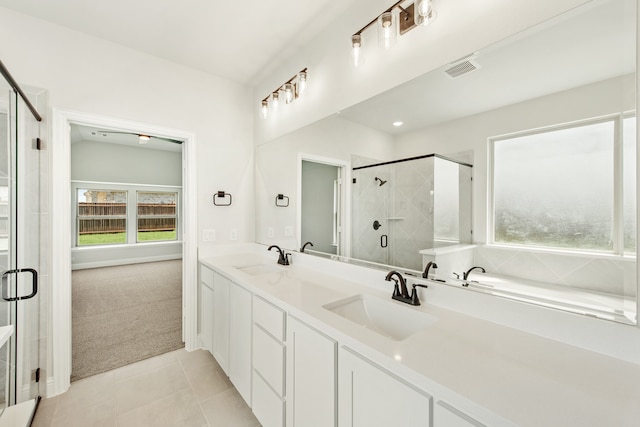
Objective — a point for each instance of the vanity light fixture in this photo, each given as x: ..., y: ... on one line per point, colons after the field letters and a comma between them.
x: 143, y: 139
x: 389, y: 24
x: 291, y: 90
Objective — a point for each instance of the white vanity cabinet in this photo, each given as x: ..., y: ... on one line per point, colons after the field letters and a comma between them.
x: 268, y: 394
x: 311, y: 376
x: 206, y: 308
x: 225, y: 327
x: 240, y: 330
x: 373, y: 397
x: 221, y: 321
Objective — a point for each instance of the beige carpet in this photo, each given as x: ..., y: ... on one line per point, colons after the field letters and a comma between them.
x: 124, y: 314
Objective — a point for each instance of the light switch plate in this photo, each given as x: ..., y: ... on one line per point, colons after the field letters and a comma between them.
x: 270, y: 232
x: 233, y: 234
x: 209, y: 235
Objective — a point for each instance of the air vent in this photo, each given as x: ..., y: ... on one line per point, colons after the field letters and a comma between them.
x: 461, y: 69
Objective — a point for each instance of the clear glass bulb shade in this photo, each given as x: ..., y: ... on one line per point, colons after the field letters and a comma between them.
x: 387, y: 30
x: 275, y: 100
x: 302, y: 82
x: 356, y: 50
x: 288, y: 93
x: 264, y: 109
x: 424, y: 12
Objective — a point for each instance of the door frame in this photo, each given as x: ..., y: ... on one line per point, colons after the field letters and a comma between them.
x: 345, y: 175
x: 59, y: 343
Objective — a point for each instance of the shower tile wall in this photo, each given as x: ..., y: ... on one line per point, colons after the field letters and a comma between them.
x: 411, y: 214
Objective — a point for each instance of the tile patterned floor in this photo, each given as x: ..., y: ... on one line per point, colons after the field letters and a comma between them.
x: 176, y: 389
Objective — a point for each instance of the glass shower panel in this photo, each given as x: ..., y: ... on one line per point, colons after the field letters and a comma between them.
x: 21, y: 219
x: 403, y: 207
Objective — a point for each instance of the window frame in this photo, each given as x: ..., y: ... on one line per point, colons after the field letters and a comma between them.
x: 131, y: 217
x: 175, y: 216
x: 617, y: 228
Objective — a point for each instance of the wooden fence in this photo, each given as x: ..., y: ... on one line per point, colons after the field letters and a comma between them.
x: 114, y: 217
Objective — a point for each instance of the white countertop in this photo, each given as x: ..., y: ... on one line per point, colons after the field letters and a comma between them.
x: 509, y: 376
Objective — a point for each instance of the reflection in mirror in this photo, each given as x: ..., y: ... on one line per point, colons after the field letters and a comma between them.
x: 403, y: 207
x: 563, y: 75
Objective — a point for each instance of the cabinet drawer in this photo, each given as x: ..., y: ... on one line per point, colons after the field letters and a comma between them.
x: 267, y: 406
x: 268, y: 359
x: 206, y: 276
x: 270, y: 317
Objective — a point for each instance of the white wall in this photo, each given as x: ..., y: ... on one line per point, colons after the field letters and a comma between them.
x: 462, y: 27
x: 100, y: 162
x: 277, y: 168
x: 88, y: 74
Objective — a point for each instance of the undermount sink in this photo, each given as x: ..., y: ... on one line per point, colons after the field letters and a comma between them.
x: 387, y: 318
x: 256, y: 269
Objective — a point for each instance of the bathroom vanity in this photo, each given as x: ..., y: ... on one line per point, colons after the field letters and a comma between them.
x: 329, y: 347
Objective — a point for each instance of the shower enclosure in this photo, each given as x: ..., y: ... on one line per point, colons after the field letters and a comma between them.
x: 22, y: 228
x: 404, y: 206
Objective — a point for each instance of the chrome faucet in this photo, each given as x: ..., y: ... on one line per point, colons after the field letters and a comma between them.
x: 430, y: 265
x: 465, y: 276
x: 283, y: 259
x: 304, y: 246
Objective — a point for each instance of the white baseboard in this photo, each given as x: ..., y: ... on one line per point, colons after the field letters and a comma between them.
x: 113, y: 263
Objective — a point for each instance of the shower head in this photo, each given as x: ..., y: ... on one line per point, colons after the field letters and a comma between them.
x: 382, y: 182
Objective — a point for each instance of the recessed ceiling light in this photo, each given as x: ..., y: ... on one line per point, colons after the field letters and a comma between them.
x: 398, y: 123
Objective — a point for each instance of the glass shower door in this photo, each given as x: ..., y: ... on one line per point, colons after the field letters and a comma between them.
x: 19, y: 261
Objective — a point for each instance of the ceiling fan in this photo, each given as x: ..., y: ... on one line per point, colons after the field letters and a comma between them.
x: 142, y: 138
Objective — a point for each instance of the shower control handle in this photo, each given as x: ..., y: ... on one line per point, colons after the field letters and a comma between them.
x: 376, y: 225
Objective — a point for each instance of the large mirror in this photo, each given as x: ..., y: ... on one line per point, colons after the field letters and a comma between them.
x: 547, y: 121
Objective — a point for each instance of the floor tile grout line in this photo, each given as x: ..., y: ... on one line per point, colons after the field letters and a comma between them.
x: 198, y: 401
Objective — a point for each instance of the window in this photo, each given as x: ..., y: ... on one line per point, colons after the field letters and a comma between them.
x: 124, y: 213
x: 568, y: 187
x: 102, y: 217
x: 157, y: 216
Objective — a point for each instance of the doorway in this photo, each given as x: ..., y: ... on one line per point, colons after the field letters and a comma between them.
x: 126, y: 191
x: 62, y: 212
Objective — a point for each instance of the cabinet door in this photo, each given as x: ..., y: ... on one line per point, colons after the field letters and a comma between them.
x: 447, y: 416
x: 206, y: 317
x: 221, y: 321
x: 311, y: 377
x: 240, y: 327
x: 372, y: 397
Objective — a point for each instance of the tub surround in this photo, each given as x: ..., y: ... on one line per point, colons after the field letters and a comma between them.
x: 499, y: 375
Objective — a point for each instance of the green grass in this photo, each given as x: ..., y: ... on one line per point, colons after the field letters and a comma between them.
x: 155, y: 236
x: 111, y: 238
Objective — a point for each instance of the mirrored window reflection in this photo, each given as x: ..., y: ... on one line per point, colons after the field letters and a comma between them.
x: 556, y: 188
x: 629, y: 183
x: 101, y: 217
x: 157, y: 216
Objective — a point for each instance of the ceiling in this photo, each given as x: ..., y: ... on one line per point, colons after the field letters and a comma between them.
x: 81, y: 134
x: 590, y: 44
x: 241, y: 41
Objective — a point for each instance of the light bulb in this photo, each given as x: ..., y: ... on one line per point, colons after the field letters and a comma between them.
x: 302, y: 82
x: 356, y: 49
x: 275, y: 100
x: 386, y: 30
x: 424, y: 13
x: 265, y: 108
x: 288, y: 93
x: 143, y: 139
